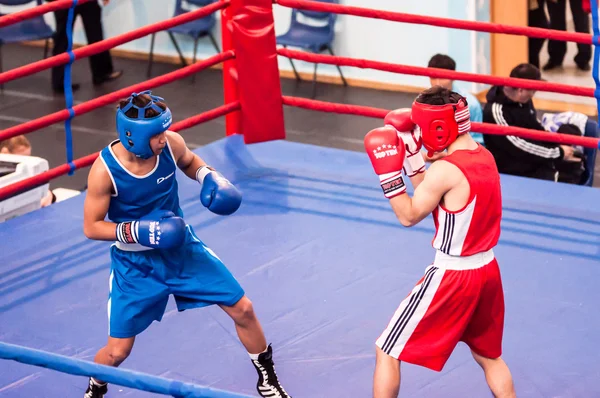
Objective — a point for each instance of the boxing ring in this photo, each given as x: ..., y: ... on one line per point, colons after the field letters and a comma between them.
x: 315, y: 245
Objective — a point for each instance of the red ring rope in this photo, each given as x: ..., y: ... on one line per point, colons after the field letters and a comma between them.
x: 439, y: 22
x: 344, y: 109
x: 206, y: 116
x: 485, y: 128
x: 15, y: 17
x: 438, y: 73
x: 42, y: 178
x: 111, y: 98
x: 107, y: 44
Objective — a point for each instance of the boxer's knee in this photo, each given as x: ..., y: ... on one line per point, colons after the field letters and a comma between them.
x: 242, y: 312
x: 118, y: 349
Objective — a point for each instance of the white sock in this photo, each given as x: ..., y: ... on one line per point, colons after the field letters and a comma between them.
x: 254, y: 357
x: 96, y: 382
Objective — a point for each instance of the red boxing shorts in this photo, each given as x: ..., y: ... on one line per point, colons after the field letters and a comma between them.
x: 458, y: 299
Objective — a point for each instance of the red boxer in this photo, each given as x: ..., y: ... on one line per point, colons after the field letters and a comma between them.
x: 460, y: 297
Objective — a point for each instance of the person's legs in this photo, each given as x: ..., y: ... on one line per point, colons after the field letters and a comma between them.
x: 426, y: 326
x: 497, y: 375
x: 557, y: 11
x: 60, y: 44
x: 581, y: 20
x: 115, y: 351
x: 112, y: 354
x: 202, y: 280
x: 247, y: 325
x: 135, y: 301
x: 100, y: 64
x: 536, y: 19
x: 386, y: 379
x: 484, y: 333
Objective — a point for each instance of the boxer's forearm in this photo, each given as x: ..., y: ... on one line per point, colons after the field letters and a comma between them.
x: 191, y: 169
x: 427, y: 196
x: 417, y: 179
x: 402, y: 206
x: 100, y: 230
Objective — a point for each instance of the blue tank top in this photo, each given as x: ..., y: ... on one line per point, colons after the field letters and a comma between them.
x: 136, y: 196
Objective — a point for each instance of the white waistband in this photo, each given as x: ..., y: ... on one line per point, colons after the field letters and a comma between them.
x: 460, y: 263
x: 131, y: 247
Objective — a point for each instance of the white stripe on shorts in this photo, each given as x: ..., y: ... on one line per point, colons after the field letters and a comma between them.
x: 110, y: 283
x: 409, y: 313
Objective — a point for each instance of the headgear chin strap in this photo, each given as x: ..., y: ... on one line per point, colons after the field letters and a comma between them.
x: 441, y: 124
x: 135, y: 132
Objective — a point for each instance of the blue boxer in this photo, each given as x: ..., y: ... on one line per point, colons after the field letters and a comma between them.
x: 141, y: 282
x: 132, y: 199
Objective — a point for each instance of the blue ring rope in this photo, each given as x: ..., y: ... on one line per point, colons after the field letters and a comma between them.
x: 596, y: 42
x: 68, y: 89
x: 122, y: 377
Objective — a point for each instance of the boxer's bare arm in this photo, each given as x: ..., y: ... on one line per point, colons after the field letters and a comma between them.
x: 96, y: 204
x: 186, y: 160
x: 438, y: 180
x: 417, y: 179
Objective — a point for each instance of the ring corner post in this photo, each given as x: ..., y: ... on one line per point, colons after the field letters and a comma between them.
x: 230, y: 90
x: 258, y: 83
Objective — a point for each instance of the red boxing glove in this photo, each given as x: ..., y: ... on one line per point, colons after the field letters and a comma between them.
x: 410, y: 134
x: 387, y: 155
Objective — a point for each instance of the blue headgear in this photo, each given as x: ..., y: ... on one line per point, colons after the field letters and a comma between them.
x: 135, y: 133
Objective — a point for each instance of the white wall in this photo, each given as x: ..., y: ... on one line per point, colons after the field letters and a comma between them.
x: 355, y: 36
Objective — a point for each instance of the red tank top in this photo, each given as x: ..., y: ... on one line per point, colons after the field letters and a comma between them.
x: 476, y: 227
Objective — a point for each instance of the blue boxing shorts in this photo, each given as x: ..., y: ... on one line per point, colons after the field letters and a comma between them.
x: 141, y: 282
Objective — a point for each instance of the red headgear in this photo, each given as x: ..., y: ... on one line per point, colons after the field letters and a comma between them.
x: 441, y: 124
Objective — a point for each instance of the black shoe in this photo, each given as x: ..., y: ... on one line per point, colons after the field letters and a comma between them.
x: 95, y: 391
x: 268, y: 384
x: 551, y: 65
x: 584, y: 67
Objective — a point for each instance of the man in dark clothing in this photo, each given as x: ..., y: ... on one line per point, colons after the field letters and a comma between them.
x: 510, y: 106
x: 536, y: 18
x: 100, y: 64
x: 557, y: 49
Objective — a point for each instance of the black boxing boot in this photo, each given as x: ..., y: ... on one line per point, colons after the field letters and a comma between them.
x: 95, y: 390
x: 268, y: 384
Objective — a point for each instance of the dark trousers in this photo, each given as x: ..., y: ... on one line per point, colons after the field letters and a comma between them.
x: 558, y: 20
x: 537, y: 19
x: 91, y: 14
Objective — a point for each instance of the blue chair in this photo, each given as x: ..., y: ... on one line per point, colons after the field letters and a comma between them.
x: 28, y: 30
x: 195, y: 29
x: 312, y: 38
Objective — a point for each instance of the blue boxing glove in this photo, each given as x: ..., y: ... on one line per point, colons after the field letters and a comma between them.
x: 218, y: 194
x: 160, y: 229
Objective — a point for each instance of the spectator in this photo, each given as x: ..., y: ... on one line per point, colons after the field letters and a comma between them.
x: 100, y: 64
x: 536, y: 18
x: 20, y: 145
x: 510, y: 106
x: 571, y: 172
x: 577, y: 124
x: 442, y: 61
x: 557, y: 49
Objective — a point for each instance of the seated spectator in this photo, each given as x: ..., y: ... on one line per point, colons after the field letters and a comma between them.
x: 20, y: 145
x: 578, y: 124
x: 442, y: 61
x: 571, y: 171
x: 510, y: 106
